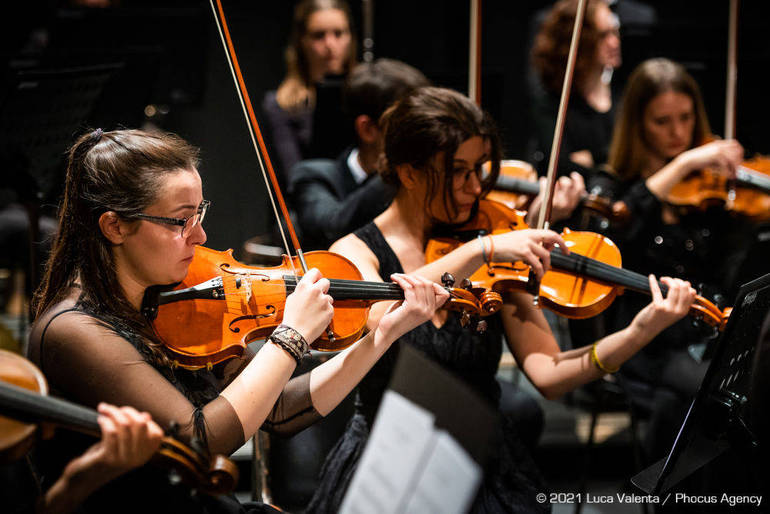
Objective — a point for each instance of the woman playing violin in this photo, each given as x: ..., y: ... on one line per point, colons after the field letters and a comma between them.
x: 660, y: 137
x: 436, y: 141
x: 131, y: 218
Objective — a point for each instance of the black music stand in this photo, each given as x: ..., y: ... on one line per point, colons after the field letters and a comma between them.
x: 717, y: 419
x: 40, y: 111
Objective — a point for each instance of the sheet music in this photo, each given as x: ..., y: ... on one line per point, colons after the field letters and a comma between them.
x: 449, y: 480
x: 410, y: 466
x: 401, y: 434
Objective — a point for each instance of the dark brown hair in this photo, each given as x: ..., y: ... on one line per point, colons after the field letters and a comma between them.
x: 429, y: 122
x: 372, y: 86
x: 551, y: 46
x: 120, y: 171
x: 649, y: 79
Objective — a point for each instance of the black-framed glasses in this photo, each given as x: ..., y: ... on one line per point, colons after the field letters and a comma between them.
x: 188, y: 224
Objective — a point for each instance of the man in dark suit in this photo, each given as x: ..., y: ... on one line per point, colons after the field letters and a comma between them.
x: 334, y: 197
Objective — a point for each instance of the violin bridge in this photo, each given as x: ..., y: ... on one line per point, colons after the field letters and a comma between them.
x: 246, y: 282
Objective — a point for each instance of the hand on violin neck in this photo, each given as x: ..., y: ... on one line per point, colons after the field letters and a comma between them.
x: 309, y: 309
x: 663, y: 311
x: 129, y: 439
x: 530, y: 246
x: 421, y: 299
x: 567, y: 195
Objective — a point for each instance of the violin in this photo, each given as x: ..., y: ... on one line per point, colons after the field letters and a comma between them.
x: 222, y: 305
x: 579, y: 285
x: 747, y: 195
x: 26, y: 411
x: 517, y: 185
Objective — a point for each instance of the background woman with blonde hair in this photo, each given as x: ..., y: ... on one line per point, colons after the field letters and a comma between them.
x: 660, y: 137
x: 321, y: 44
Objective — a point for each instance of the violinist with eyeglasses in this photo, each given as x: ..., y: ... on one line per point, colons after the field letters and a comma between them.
x: 436, y: 142
x: 131, y: 218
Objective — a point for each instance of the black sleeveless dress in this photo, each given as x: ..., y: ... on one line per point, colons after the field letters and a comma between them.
x: 511, y: 480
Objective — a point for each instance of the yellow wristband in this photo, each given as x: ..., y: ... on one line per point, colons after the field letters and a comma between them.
x: 598, y: 363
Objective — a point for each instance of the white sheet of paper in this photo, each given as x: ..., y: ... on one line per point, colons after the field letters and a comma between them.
x: 401, y: 437
x: 448, y: 482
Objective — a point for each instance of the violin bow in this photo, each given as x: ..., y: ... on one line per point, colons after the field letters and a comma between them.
x: 367, y: 13
x: 544, y: 216
x: 257, y: 140
x: 543, y: 220
x: 732, y: 70
x: 474, y: 53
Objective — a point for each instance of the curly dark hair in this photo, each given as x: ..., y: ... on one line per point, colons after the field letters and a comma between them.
x: 551, y: 46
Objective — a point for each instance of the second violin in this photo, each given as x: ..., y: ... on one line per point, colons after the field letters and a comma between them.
x: 581, y: 284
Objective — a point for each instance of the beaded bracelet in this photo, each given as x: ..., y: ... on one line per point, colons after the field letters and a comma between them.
x: 290, y: 341
x: 487, y: 258
x: 602, y: 367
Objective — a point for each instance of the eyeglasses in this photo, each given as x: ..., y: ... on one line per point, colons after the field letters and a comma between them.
x: 461, y: 178
x: 188, y: 224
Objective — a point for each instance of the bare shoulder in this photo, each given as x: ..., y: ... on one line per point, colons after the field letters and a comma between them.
x: 360, y: 254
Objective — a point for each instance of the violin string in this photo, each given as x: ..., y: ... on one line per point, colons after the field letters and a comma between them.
x: 600, y: 270
x: 252, y: 135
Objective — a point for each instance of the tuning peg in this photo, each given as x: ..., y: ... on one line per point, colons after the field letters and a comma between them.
x: 466, y: 284
x: 481, y: 326
x: 448, y: 279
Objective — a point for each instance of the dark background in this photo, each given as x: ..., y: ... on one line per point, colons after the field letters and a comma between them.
x: 169, y: 55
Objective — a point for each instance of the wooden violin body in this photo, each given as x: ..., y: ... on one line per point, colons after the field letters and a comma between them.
x: 17, y: 437
x: 26, y: 409
x: 574, y: 296
x: 516, y: 185
x: 579, y: 285
x: 748, y: 195
x: 223, y: 305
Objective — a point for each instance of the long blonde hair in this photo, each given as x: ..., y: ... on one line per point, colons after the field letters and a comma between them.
x: 297, y: 89
x: 628, y: 149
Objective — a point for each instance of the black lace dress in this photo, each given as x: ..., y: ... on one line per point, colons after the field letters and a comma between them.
x: 511, y: 479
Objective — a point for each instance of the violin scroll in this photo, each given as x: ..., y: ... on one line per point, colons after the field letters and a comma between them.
x: 472, y: 302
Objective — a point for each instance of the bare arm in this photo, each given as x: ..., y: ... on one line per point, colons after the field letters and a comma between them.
x: 331, y: 382
x: 110, y: 369
x: 555, y: 372
x: 529, y: 246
